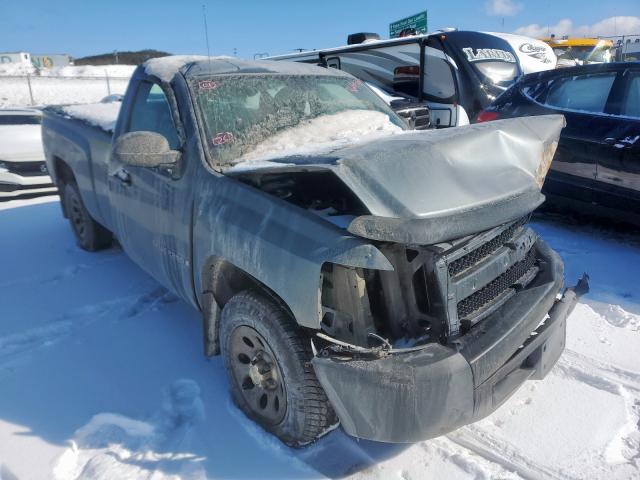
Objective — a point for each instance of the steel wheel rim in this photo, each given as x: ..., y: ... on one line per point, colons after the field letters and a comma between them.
x: 77, y: 217
x: 257, y: 374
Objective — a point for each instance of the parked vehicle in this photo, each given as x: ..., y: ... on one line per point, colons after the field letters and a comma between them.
x: 384, y: 278
x: 22, y: 166
x: 533, y: 55
x: 463, y: 71
x: 580, y: 51
x: 627, y: 49
x: 597, y: 164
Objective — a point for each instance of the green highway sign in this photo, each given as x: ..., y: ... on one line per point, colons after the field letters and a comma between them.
x: 417, y: 21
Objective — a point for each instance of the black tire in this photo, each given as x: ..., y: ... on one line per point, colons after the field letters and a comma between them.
x: 307, y: 412
x: 89, y: 234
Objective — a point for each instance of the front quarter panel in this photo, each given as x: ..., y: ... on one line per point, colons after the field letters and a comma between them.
x: 280, y: 245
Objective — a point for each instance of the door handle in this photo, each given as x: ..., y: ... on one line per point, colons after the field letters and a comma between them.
x: 626, y: 142
x: 122, y: 175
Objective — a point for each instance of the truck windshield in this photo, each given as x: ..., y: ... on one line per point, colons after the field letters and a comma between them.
x: 246, y: 117
x: 597, y: 54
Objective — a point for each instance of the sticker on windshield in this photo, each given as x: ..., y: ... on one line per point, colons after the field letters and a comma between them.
x: 207, y: 85
x: 222, y: 138
x: 481, y: 54
x: 354, y: 85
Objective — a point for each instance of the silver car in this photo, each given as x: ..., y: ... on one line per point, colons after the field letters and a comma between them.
x: 22, y: 166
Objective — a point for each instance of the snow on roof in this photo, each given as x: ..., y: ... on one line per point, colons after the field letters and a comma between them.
x: 102, y: 115
x: 166, y: 67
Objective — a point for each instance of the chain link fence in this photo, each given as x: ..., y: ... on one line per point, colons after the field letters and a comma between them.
x: 25, y: 90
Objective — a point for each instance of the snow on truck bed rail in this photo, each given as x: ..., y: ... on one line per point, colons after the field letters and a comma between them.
x: 101, y: 115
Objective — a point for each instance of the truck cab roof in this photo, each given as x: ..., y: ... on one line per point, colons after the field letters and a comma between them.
x: 165, y: 68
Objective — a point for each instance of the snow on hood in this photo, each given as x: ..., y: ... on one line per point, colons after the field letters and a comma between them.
x: 21, y: 143
x: 321, y: 135
x: 102, y: 115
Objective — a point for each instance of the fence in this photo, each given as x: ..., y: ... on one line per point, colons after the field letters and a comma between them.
x: 21, y: 90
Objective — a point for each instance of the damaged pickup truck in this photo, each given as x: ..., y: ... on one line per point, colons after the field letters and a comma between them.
x: 347, y: 269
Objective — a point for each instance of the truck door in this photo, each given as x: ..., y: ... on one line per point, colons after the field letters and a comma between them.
x: 151, y: 207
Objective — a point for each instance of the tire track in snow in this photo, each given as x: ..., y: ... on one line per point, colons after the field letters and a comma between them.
x: 65, y: 274
x: 584, y: 369
x: 509, y: 458
x: 625, y: 443
x: 16, y: 345
x: 598, y: 374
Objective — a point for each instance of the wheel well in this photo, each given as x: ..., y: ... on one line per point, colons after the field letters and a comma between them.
x: 63, y: 175
x: 63, y: 172
x: 221, y: 280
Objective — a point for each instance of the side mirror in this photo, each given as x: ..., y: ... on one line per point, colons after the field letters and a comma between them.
x: 145, y: 149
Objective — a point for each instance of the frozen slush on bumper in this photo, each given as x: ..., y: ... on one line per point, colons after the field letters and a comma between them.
x: 407, y: 396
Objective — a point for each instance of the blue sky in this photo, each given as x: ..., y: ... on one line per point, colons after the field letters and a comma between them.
x: 90, y: 27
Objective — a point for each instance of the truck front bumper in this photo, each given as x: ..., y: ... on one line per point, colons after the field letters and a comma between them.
x: 412, y: 396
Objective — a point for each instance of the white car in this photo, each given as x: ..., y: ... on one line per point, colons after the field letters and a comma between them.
x: 22, y: 167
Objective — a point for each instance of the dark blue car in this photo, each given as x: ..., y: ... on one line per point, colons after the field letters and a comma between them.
x: 597, y: 165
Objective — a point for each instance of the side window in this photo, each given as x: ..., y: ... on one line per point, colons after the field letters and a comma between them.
x: 439, y: 81
x: 151, y: 113
x: 585, y: 92
x: 631, y: 105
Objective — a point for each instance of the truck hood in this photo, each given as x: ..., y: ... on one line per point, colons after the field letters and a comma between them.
x: 429, y: 187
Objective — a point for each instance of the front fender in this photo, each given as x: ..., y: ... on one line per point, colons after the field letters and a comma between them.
x: 281, y: 245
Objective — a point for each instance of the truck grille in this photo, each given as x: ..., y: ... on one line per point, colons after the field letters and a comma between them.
x: 420, y: 116
x: 484, y: 298
x: 476, y: 256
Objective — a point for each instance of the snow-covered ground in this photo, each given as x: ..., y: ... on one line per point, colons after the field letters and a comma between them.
x: 102, y: 377
x: 71, y: 84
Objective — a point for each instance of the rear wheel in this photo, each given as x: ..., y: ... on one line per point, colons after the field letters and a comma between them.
x: 89, y: 234
x: 267, y: 359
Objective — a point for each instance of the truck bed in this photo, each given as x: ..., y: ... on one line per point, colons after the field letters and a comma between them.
x: 80, y: 136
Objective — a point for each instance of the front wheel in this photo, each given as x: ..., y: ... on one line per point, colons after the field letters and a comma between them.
x: 89, y: 234
x: 267, y: 359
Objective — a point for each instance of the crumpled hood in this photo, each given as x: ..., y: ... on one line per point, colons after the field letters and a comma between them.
x: 434, y: 186
x: 427, y: 174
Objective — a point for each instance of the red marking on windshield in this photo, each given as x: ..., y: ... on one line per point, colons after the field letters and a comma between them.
x: 207, y: 85
x: 222, y: 138
x: 354, y: 85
